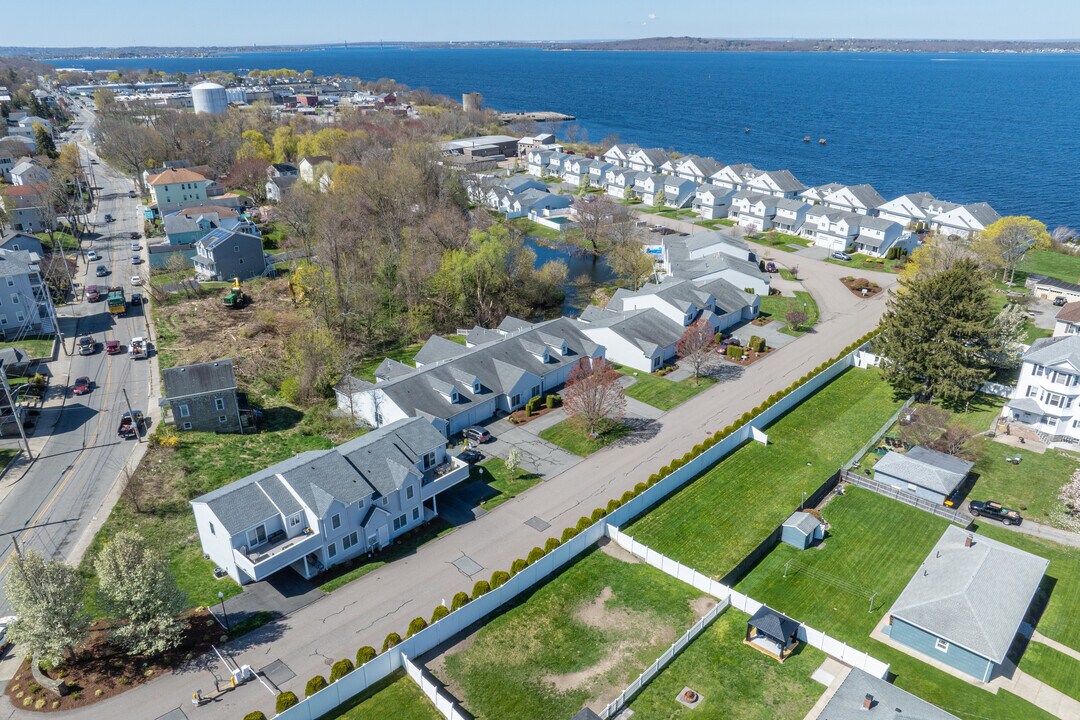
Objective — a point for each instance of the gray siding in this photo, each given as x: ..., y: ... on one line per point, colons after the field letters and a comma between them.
x: 957, y: 657
x: 203, y: 415
x: 903, y: 486
x: 793, y: 537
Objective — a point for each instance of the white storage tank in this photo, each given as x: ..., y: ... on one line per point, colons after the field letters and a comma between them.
x: 209, y: 97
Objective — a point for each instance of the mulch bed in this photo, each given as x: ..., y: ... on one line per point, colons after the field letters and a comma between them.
x: 761, y: 320
x: 518, y: 416
x: 751, y: 359
x: 871, y: 290
x: 102, y: 671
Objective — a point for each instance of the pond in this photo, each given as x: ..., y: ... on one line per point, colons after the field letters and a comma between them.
x: 586, y: 272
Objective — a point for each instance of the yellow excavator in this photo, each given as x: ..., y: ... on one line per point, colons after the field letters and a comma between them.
x: 235, y: 298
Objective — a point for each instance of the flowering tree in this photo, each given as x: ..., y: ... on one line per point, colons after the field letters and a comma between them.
x: 47, y: 598
x: 695, y: 348
x: 593, y: 396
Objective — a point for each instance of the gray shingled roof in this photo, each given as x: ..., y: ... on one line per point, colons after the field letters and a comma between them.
x: 186, y: 380
x: 1027, y: 405
x: 378, y: 462
x: 804, y: 522
x: 982, y: 212
x: 1054, y: 350
x: 648, y: 329
x: 437, y: 348
x: 865, y: 194
x: 785, y: 180
x: 389, y: 369
x: 697, y: 241
x: 774, y: 624
x: 889, y: 701
x: 974, y: 597
x: 926, y: 468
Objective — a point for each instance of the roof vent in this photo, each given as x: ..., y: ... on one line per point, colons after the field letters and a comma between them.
x: 969, y: 540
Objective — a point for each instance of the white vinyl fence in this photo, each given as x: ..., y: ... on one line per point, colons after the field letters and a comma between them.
x: 441, y: 700
x: 815, y: 638
x: 661, y: 662
x: 436, y: 634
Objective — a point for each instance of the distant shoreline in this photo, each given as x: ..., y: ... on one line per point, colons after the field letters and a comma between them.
x: 657, y: 44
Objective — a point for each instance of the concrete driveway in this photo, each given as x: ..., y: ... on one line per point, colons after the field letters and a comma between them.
x: 538, y: 456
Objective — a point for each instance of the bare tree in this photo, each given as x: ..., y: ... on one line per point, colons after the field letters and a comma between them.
x: 695, y: 348
x: 593, y: 397
x: 592, y: 213
x: 133, y: 488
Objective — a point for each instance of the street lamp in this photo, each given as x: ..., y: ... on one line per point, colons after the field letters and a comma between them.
x: 221, y: 597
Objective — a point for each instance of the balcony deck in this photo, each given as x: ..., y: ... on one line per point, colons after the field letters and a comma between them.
x: 269, y: 558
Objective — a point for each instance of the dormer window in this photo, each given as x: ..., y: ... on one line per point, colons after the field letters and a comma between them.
x: 476, y: 387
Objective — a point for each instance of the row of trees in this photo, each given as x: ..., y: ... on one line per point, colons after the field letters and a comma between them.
x: 135, y: 588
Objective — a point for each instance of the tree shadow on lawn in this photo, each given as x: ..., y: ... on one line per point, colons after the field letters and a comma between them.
x: 276, y: 419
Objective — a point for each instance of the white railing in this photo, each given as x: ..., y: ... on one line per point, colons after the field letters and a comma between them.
x: 442, y: 701
x: 895, y: 493
x: 815, y: 638
x: 661, y: 662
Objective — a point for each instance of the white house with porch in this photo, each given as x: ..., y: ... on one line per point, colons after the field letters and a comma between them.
x: 1045, y: 399
x: 324, y: 507
x: 964, y: 220
x: 712, y: 202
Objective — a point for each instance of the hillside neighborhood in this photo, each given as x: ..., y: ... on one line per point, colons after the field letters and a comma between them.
x: 330, y: 398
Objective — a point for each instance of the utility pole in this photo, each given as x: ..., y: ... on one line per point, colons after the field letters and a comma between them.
x: 131, y: 414
x: 15, y: 411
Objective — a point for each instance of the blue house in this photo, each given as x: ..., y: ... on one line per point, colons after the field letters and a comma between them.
x: 801, y: 530
x: 965, y: 604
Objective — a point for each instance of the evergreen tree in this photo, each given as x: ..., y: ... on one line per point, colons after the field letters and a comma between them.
x: 938, y: 334
x: 45, y: 144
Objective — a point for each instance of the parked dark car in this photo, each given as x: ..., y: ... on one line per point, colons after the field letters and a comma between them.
x: 131, y: 193
x: 837, y: 255
x: 1060, y: 300
x: 101, y: 271
x: 128, y: 428
x: 994, y: 511
x: 135, y: 236
x: 109, y: 218
x: 770, y: 267
x: 81, y: 386
x: 470, y: 457
x: 136, y: 299
x: 477, y: 434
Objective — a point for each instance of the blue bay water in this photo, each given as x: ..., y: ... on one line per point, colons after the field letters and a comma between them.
x: 967, y: 128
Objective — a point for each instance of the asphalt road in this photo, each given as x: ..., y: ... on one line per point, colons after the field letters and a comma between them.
x: 80, y: 461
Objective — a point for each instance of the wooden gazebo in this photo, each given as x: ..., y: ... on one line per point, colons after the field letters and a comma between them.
x: 772, y: 633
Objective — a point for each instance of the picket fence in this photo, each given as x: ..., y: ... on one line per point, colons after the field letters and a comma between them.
x: 438, y: 633
x: 431, y: 687
x: 661, y: 662
x: 815, y: 638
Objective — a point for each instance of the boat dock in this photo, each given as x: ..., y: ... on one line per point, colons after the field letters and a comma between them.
x: 543, y: 116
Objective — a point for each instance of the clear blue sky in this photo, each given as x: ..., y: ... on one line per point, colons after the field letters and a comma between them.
x: 276, y: 22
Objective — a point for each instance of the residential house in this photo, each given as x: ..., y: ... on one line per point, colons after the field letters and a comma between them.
x: 684, y: 302
x: 557, y: 162
x: 861, y: 696
x: 277, y: 170
x: 966, y: 602
x: 698, y: 169
x: 1049, y: 288
x: 535, y: 201
x: 324, y: 507
x: 816, y: 195
x: 575, y: 170
x: 24, y: 127
x: 834, y: 230
x: 538, y: 161
x: 642, y: 339
x: 650, y: 186
x: 184, y: 227
x: 22, y: 241
x: 790, y: 215
x: 877, y: 236
x: 1066, y: 322
x: 712, y: 202
x: 619, y: 155
x: 715, y: 255
x: 26, y: 306
x: 314, y: 168
x: 28, y: 172
x: 7, y: 162
x: 622, y: 181
x: 753, y: 210
x: 277, y: 186
x: 501, y: 374
x: 224, y: 254
x: 859, y: 199
x: 735, y: 177
x: 26, y: 207
x: 922, y: 472
x: 964, y: 220
x: 911, y: 211
x: 1045, y: 398
x: 679, y: 192
x: 778, y: 183
x: 174, y: 190
x: 204, y: 397
x: 598, y: 173
x: 544, y: 141
x: 647, y: 160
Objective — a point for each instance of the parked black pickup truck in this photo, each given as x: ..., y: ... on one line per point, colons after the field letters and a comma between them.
x: 994, y: 511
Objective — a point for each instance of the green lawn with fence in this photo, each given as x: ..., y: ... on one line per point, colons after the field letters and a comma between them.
x: 660, y: 392
x: 715, y: 521
x: 395, y: 696
x: 34, y: 347
x: 778, y: 306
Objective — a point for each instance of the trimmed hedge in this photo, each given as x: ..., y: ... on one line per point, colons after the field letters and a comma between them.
x: 441, y: 611
x: 391, y: 640
x: 415, y: 626
x: 365, y: 655
x: 255, y: 715
x: 517, y: 566
x: 499, y: 578
x: 460, y: 600
x: 314, y: 685
x: 285, y: 701
x: 340, y: 669
x: 597, y: 514
x: 482, y: 587
x: 569, y: 533
x: 534, y: 555
x: 551, y: 544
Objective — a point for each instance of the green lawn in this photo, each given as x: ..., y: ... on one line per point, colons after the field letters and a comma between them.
x: 1046, y: 262
x: 788, y: 275
x: 778, y: 306
x: 168, y: 478
x: 395, y: 696
x: 62, y: 239
x: 712, y: 523
x: 1052, y: 667
x: 660, y: 392
x: 832, y: 584
x: 493, y: 472
x: 366, y: 369
x: 35, y: 347
x: 679, y: 214
x: 573, y: 439
x: 6, y: 455
x: 1033, y: 333
x: 581, y: 637
x: 407, y: 544
x: 1031, y: 487
x: 735, y: 681
x: 779, y: 240
x: 865, y: 262
x: 529, y: 227
x: 716, y: 224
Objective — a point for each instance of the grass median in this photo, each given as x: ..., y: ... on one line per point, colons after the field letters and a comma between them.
x: 660, y: 392
x: 572, y: 438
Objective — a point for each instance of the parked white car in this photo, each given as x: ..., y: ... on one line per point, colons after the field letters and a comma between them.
x: 136, y: 280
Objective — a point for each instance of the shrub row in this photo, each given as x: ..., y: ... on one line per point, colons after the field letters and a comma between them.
x: 500, y: 577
